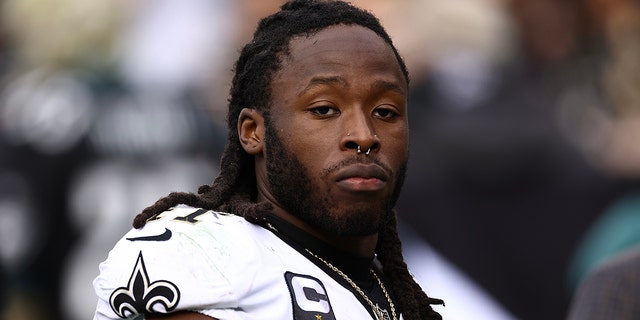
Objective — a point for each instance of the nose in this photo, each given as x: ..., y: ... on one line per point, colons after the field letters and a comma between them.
x: 360, y: 135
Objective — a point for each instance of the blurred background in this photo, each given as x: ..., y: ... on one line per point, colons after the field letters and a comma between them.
x: 525, y: 139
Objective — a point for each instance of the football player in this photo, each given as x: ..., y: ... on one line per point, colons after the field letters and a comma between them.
x: 300, y: 223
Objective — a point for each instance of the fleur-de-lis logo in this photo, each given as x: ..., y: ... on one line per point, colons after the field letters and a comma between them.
x: 140, y: 294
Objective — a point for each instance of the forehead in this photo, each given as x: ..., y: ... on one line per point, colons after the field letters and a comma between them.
x: 340, y: 35
x: 340, y: 48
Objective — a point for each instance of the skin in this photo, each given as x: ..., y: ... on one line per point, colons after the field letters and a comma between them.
x: 337, y: 89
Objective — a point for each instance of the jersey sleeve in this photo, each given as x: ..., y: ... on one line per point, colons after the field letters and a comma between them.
x: 186, y: 260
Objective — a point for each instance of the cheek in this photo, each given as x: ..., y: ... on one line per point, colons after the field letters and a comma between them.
x: 396, y: 154
x: 281, y: 130
x: 307, y: 146
x: 397, y: 142
x: 306, y: 137
x: 311, y: 154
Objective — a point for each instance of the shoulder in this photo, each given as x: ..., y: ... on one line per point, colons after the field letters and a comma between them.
x: 177, y: 259
x: 611, y: 290
x: 188, y: 232
x: 620, y: 271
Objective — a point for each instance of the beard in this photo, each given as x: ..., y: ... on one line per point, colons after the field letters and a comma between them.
x: 294, y: 189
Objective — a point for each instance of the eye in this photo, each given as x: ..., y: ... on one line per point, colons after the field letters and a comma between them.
x: 385, y: 113
x: 324, y: 111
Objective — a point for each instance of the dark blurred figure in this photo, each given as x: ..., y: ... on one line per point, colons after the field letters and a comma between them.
x: 608, y: 283
x: 501, y: 187
x: 95, y: 124
x: 31, y: 183
x: 610, y: 291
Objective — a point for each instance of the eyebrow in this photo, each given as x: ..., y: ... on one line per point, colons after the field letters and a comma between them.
x: 323, y: 80
x: 378, y: 85
x: 383, y: 85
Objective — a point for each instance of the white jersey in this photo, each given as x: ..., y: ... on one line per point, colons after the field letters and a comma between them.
x: 219, y: 265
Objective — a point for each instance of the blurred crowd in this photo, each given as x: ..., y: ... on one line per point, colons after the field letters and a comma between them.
x: 525, y: 135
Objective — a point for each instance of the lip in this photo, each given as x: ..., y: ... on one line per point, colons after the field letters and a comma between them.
x: 362, y: 178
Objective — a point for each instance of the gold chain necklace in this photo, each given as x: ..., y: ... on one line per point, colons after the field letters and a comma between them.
x: 377, y: 311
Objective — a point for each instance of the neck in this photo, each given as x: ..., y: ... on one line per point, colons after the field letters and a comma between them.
x: 363, y: 246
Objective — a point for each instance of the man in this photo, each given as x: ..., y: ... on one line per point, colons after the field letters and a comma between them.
x: 300, y: 222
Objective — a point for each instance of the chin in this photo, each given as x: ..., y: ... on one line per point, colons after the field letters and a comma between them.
x: 358, y: 221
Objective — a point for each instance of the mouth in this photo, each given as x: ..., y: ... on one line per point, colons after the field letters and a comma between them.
x: 362, y: 178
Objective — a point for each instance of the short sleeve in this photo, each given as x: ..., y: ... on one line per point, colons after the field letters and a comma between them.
x: 186, y: 260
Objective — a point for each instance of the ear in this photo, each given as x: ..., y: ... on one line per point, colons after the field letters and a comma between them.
x: 251, y: 131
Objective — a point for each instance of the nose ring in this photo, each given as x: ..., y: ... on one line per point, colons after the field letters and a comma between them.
x: 359, y: 150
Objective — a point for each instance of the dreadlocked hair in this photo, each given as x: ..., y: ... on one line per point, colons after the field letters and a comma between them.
x: 412, y: 300
x: 234, y: 190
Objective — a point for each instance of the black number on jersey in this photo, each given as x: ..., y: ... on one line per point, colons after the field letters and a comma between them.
x: 192, y: 217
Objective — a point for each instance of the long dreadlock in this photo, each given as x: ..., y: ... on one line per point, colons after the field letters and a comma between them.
x: 234, y: 190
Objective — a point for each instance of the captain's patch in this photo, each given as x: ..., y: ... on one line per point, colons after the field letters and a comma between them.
x: 309, y: 297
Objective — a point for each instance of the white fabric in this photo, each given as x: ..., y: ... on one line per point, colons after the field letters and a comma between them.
x: 222, y: 266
